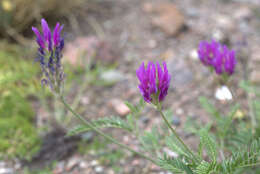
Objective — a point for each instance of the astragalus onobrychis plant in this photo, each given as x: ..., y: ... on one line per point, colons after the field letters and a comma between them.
x: 233, y: 146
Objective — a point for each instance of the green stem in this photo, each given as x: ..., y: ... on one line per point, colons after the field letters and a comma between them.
x: 222, y: 149
x: 176, y: 135
x: 76, y: 100
x: 252, y: 113
x: 250, y: 165
x: 89, y: 124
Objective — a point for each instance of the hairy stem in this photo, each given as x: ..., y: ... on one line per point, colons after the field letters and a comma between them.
x: 252, y: 112
x: 177, y: 136
x: 222, y: 149
x: 89, y: 124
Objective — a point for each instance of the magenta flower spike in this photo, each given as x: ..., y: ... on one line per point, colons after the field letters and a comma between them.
x: 217, y: 56
x: 163, y: 80
x: 46, y: 33
x: 208, y: 51
x: 154, y: 82
x: 217, y: 63
x: 56, y: 34
x: 39, y: 38
x: 230, y: 62
x: 49, y: 54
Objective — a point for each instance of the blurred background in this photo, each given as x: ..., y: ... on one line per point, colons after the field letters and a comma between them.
x: 105, y: 42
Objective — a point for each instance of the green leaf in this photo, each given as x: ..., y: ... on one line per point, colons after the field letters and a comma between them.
x: 249, y: 87
x: 130, y: 121
x: 200, y: 150
x: 191, y: 125
x: 205, y: 168
x: 209, y: 144
x: 246, y: 156
x: 227, y: 121
x: 239, y: 136
x: 173, y: 144
x: 175, y: 165
x: 132, y: 108
x: 168, y: 114
x: 150, y: 140
x: 209, y: 107
x: 114, y: 122
x: 141, y: 102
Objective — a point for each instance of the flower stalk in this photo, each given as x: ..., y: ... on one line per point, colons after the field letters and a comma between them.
x: 89, y: 124
x: 176, y: 135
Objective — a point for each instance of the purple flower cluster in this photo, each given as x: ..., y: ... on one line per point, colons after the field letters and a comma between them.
x: 49, y: 55
x: 154, y: 82
x: 218, y: 57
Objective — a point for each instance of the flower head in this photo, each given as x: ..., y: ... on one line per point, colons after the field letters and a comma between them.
x: 208, y: 51
x: 154, y: 82
x: 49, y: 55
x: 218, y: 57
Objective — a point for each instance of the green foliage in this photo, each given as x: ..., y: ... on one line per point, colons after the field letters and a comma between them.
x: 175, y: 165
x: 133, y: 109
x: 111, y: 158
x: 136, y: 109
x: 18, y: 136
x: 225, y: 140
x: 106, y: 122
x: 97, y: 144
x: 222, y: 122
x: 209, y: 143
x: 239, y: 136
x: 206, y: 168
x: 151, y: 140
x: 254, y: 105
x: 248, y: 87
x: 175, y: 146
x: 17, y: 73
x: 234, y: 136
x: 244, y: 157
x: 209, y: 107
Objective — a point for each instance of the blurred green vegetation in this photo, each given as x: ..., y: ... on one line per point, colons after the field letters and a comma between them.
x: 18, y: 135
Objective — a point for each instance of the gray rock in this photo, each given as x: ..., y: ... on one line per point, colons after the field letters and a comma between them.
x: 94, y: 163
x: 192, y: 12
x: 112, y: 76
x: 99, y: 169
x: 176, y: 120
x: 88, y: 136
x: 6, y: 171
x: 144, y: 119
x: 181, y: 73
x: 2, y: 164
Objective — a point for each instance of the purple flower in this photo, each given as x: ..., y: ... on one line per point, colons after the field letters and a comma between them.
x: 217, y: 63
x: 218, y: 57
x: 47, y: 38
x: 154, y: 82
x: 39, y: 38
x: 56, y: 34
x: 208, y: 51
x: 229, y: 61
x: 49, y: 55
